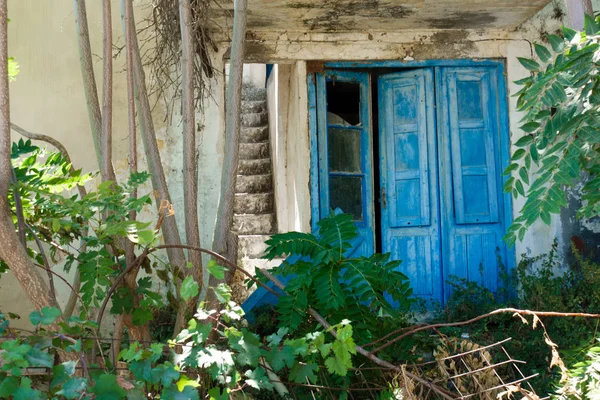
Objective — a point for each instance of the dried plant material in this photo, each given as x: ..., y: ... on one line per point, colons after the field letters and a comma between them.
x: 161, y: 45
x: 513, y: 389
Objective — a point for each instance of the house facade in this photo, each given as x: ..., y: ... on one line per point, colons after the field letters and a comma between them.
x: 399, y: 112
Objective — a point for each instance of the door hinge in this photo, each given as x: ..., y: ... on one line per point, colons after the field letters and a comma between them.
x: 383, y: 198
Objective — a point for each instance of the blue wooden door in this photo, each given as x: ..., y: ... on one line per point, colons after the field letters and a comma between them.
x: 472, y: 203
x: 410, y: 221
x: 345, y: 153
x: 441, y: 196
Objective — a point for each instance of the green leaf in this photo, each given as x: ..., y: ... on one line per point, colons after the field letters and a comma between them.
x: 589, y: 24
x: 47, y: 316
x: 524, y: 141
x: 300, y: 372
x: 258, y: 379
x: 8, y: 386
x: 519, y: 187
x: 546, y: 217
x: 189, y: 288
x: 524, y: 175
x: 530, y: 127
x: 281, y: 357
x: 73, y: 388
x: 39, y: 358
x: 542, y: 52
x: 107, y: 388
x: 25, y: 391
x: 215, y: 394
x: 518, y: 154
x: 557, y: 43
x: 172, y: 393
x: 146, y: 237
x: 184, y: 382
x: 569, y: 33
x: 529, y: 64
x: 223, y: 293
x: 215, y: 270
x: 141, y: 316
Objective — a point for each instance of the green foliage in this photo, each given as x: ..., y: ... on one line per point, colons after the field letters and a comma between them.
x: 100, y: 222
x: 584, y: 378
x: 561, y: 106
x: 217, y: 346
x: 543, y: 284
x: 365, y: 290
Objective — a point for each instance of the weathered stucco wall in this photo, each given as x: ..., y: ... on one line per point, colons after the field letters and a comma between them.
x: 48, y: 98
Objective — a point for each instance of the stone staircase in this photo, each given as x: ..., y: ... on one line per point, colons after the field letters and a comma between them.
x: 254, y: 206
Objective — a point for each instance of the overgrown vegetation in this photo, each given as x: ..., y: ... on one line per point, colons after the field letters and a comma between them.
x: 561, y: 106
x: 542, y: 283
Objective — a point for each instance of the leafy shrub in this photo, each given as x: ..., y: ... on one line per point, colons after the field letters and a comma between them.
x: 220, y: 357
x: 543, y: 284
x: 584, y: 378
x: 369, y: 291
x: 561, y: 121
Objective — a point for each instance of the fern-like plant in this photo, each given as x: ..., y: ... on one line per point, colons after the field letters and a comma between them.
x: 366, y: 290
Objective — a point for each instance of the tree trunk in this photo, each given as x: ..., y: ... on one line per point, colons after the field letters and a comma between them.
x: 12, y: 251
x: 89, y: 86
x: 133, y: 165
x: 148, y: 135
x: 190, y: 161
x: 576, y: 10
x: 224, y: 242
x: 106, y: 167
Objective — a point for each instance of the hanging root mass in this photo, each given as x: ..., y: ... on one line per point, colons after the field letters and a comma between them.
x: 160, y: 35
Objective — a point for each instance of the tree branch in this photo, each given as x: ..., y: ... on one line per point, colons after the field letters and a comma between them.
x: 473, y: 320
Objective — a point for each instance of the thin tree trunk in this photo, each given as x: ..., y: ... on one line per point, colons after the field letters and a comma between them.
x: 148, y: 135
x: 190, y: 161
x: 576, y: 10
x: 106, y: 141
x: 133, y: 165
x: 224, y: 242
x: 89, y: 84
x: 12, y: 251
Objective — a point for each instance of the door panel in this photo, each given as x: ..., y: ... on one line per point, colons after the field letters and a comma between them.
x: 409, y: 210
x: 471, y: 198
x: 345, y: 154
x: 471, y: 120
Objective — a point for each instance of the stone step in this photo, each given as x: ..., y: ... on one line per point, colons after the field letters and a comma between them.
x: 252, y: 246
x: 254, y: 94
x: 255, y: 119
x: 254, y: 224
x: 254, y: 134
x: 260, y: 166
x: 253, y: 203
x: 254, y: 183
x: 253, y: 151
x: 254, y: 106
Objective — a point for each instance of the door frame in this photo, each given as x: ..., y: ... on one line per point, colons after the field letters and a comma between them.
x: 503, y: 125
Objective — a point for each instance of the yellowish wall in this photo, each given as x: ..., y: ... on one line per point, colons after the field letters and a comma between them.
x: 48, y: 98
